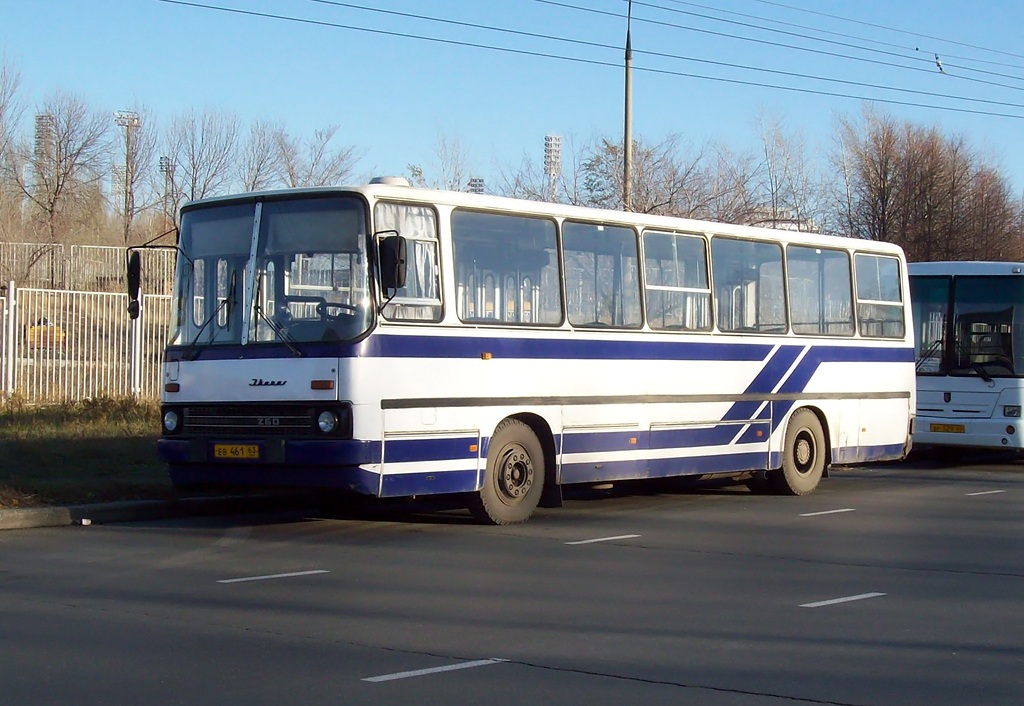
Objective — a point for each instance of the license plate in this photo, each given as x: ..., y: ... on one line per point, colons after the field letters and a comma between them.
x: 948, y: 428
x: 236, y: 451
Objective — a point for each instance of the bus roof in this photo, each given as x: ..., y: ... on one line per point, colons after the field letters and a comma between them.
x: 398, y: 189
x: 960, y: 268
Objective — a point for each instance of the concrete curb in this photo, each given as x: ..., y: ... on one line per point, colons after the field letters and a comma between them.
x: 143, y: 510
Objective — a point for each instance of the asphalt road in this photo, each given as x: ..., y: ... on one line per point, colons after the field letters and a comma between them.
x: 889, y: 585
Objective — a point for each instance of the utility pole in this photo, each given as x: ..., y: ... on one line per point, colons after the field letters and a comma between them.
x: 131, y: 122
x: 627, y: 140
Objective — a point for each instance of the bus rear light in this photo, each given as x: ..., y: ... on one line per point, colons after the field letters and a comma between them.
x: 321, y: 385
x: 1009, y: 429
x: 1011, y: 410
x: 172, y: 387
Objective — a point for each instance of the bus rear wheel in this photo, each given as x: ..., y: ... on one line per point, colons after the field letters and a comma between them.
x: 514, y: 479
x: 803, y: 457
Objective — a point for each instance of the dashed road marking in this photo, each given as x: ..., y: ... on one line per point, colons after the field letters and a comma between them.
x: 986, y: 492
x: 828, y: 512
x: 435, y: 670
x: 275, y: 576
x: 845, y: 599
x: 605, y: 539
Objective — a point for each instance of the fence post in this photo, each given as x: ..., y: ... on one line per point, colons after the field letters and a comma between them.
x: 135, y: 344
x: 11, y: 344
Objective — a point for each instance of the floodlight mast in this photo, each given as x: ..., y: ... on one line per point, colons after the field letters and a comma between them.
x: 131, y: 122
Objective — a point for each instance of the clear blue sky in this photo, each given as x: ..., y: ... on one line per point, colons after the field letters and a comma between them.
x: 392, y: 96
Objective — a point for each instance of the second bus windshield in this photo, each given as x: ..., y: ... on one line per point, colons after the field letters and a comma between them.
x: 983, y: 335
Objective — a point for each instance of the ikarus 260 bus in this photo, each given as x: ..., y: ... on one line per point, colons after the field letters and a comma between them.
x: 395, y: 341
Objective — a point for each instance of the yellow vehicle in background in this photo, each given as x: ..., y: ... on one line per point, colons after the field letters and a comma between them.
x: 44, y: 334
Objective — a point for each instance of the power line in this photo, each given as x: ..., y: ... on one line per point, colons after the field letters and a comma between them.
x: 592, y: 62
x: 891, y: 29
x: 844, y: 35
x: 782, y: 45
x: 724, y: 64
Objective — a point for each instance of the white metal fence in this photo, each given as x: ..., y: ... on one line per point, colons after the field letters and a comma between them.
x: 61, y: 345
x: 95, y: 268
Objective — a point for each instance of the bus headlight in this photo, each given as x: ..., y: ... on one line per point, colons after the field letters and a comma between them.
x: 171, y: 421
x: 1011, y: 410
x: 327, y: 421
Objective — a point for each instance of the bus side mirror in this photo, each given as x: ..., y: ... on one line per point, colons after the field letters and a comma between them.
x: 134, y: 280
x: 392, y: 251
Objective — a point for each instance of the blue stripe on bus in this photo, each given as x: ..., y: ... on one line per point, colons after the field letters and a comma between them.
x: 632, y: 469
x: 434, y: 449
x: 338, y: 477
x: 403, y: 346
x: 593, y: 442
x: 398, y: 485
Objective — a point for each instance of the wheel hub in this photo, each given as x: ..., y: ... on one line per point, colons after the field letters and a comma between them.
x: 516, y: 476
x: 804, y: 454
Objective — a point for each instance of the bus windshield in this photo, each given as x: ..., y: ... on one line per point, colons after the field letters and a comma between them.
x: 305, y: 279
x: 983, y: 336
x: 988, y: 323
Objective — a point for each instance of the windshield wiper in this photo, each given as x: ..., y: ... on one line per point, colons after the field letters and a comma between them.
x: 926, y: 354
x: 227, y: 304
x: 277, y: 328
x: 976, y: 367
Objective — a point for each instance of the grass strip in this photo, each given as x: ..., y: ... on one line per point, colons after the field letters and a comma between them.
x: 98, y: 450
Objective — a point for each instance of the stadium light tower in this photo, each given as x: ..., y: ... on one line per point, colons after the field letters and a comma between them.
x: 476, y: 185
x: 131, y: 122
x: 553, y: 164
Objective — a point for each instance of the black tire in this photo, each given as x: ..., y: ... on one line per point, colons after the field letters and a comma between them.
x: 803, y: 456
x: 514, y: 478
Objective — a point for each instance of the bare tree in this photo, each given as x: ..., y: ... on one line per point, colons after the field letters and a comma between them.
x: 313, y: 162
x: 66, y: 161
x: 788, y: 193
x: 449, y: 166
x: 928, y: 193
x: 10, y: 116
x: 259, y: 164
x: 201, y: 153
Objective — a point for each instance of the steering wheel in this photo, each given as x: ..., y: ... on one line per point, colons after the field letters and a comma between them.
x: 324, y: 310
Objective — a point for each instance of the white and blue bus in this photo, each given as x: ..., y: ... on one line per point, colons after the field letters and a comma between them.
x: 395, y: 341
x: 970, y: 353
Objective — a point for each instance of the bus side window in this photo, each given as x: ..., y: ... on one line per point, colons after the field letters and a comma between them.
x: 749, y: 293
x: 420, y: 298
x: 601, y: 275
x: 820, y: 291
x: 506, y: 268
x: 879, y: 299
x: 676, y: 287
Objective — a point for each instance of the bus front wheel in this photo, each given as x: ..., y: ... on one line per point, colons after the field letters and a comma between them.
x: 514, y: 479
x: 804, y: 455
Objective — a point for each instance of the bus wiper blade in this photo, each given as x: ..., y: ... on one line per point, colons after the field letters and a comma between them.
x: 279, y: 330
x: 226, y: 304
x: 927, y: 353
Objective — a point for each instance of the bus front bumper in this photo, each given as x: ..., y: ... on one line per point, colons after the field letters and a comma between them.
x: 273, y: 462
